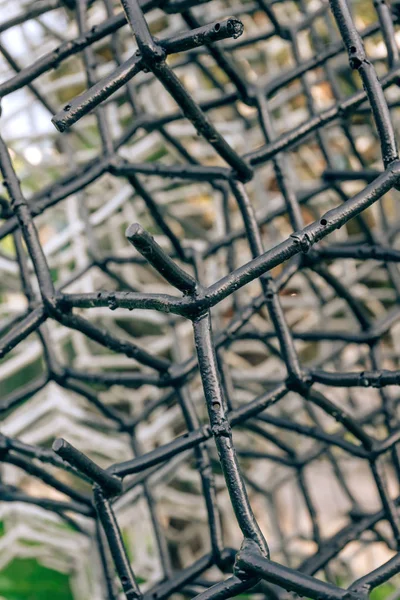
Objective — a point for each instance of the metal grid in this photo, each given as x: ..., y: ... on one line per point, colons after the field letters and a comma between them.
x: 370, y: 437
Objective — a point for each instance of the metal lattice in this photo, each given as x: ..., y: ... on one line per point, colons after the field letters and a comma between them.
x: 254, y: 160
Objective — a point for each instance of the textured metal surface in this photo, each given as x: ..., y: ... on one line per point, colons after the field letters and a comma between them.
x: 274, y: 278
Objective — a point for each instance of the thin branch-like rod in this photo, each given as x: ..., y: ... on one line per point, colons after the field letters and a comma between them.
x: 375, y: 379
x: 21, y: 210
x: 203, y: 125
x: 367, y: 175
x: 23, y: 393
x: 312, y: 311
x: 9, y: 494
x: 129, y: 300
x: 103, y: 337
x: 222, y: 433
x: 108, y: 85
x: 114, y: 539
x: 335, y: 544
x: 160, y: 454
x: 251, y: 560
x: 155, y: 255
x: 372, y: 86
x: 110, y: 484
x: 22, y: 329
x: 301, y: 241
x: 184, y: 576
x: 226, y: 589
x: 191, y: 172
x: 66, y: 49
x: 198, y: 435
x: 40, y: 7
x: 32, y: 469
x: 377, y: 576
x: 296, y: 136
x: 359, y: 252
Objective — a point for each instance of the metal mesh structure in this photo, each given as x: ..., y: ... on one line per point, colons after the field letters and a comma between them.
x: 212, y: 412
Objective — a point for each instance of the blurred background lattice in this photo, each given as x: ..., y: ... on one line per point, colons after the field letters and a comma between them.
x: 326, y: 506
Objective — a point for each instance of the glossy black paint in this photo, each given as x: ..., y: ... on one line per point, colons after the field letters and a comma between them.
x: 250, y: 564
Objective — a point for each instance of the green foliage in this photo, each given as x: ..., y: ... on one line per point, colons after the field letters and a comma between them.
x: 26, y: 579
x: 382, y: 592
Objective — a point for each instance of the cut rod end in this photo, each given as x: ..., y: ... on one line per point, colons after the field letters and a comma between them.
x: 133, y: 231
x: 235, y: 27
x: 58, y: 122
x: 59, y: 445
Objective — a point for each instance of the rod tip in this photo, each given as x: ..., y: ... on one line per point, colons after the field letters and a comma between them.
x: 58, y: 123
x: 134, y: 230
x: 59, y: 444
x: 235, y: 27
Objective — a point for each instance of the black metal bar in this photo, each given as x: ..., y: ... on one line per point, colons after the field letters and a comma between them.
x: 229, y: 175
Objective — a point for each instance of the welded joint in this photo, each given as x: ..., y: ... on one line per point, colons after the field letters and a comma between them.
x: 357, y: 55
x: 222, y: 429
x: 300, y: 383
x: 240, y: 568
x: 151, y: 53
x: 305, y: 239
